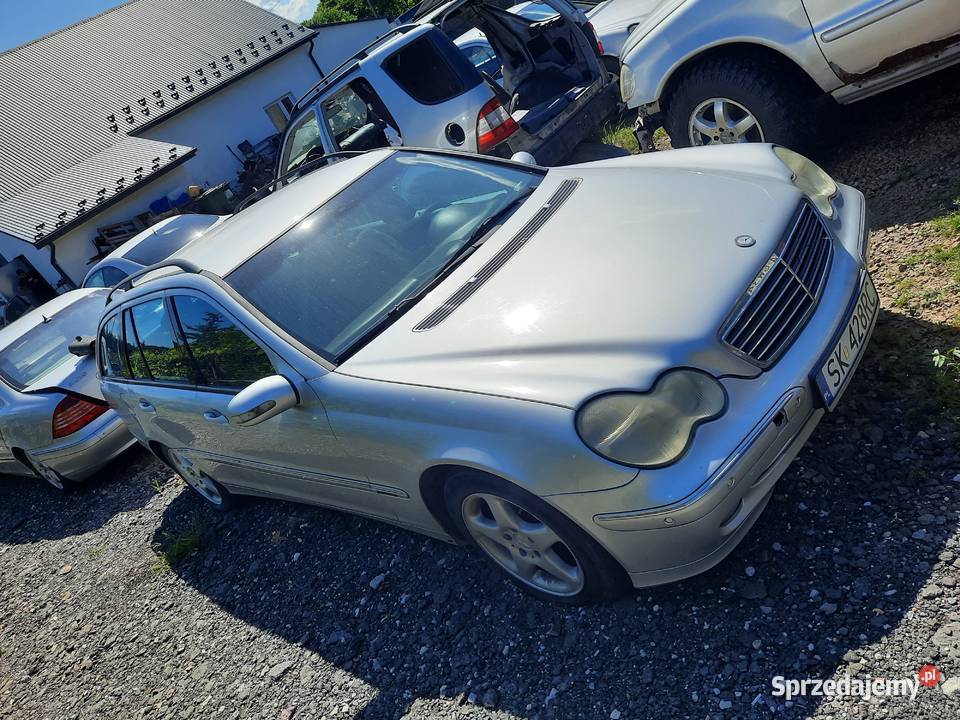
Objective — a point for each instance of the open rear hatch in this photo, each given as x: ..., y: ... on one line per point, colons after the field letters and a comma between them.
x: 550, y: 66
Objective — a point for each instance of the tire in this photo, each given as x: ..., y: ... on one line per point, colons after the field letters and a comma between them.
x: 213, y: 493
x: 589, y: 574
x: 780, y: 105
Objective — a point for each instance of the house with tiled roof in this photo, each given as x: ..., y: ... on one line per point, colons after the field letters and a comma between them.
x: 123, y: 111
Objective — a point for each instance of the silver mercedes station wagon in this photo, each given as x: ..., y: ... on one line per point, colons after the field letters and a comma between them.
x: 594, y: 374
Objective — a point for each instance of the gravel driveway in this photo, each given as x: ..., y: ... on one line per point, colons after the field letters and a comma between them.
x: 130, y: 599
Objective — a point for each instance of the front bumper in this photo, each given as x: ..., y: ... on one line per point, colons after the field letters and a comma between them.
x: 675, y: 522
x: 83, y: 453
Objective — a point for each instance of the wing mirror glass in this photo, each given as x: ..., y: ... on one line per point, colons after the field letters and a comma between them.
x: 264, y: 399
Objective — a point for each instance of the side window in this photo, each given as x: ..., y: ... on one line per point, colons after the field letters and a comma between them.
x: 131, y: 349
x: 345, y: 113
x: 483, y: 58
x: 164, y: 357
x: 430, y: 75
x: 113, y: 276
x: 111, y: 354
x: 95, y: 280
x: 225, y: 355
x: 304, y: 137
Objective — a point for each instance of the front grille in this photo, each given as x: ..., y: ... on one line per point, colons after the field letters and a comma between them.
x: 781, y: 298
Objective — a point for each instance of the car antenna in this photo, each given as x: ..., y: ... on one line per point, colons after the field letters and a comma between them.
x: 45, y: 319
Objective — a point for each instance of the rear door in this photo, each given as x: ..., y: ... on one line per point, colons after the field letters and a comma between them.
x: 858, y: 36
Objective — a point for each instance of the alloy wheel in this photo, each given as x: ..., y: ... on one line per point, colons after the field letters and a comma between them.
x: 721, y: 121
x: 195, y: 478
x: 522, y: 544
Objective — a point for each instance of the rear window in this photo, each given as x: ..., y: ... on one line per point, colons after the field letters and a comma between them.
x: 46, y: 346
x: 165, y: 241
x: 432, y: 70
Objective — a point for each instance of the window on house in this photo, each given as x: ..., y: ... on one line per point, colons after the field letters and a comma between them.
x: 279, y: 111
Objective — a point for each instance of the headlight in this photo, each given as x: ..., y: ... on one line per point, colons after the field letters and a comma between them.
x: 628, y: 83
x: 653, y: 428
x: 810, y: 179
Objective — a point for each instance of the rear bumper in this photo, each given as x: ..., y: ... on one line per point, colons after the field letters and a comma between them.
x: 82, y: 454
x: 584, y: 124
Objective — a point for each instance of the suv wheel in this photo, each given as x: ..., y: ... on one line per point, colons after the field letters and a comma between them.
x: 540, y: 550
x: 736, y: 100
x: 205, y: 486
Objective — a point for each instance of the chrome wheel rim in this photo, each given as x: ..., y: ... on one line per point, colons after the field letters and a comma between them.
x: 195, y: 479
x: 721, y: 121
x: 522, y: 544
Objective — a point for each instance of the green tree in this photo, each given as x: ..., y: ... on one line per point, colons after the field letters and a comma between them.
x: 332, y: 11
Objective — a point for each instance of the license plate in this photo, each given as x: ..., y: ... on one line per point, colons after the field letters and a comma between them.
x: 838, y: 365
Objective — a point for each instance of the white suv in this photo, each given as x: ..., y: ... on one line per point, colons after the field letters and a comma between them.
x: 724, y: 71
x: 414, y: 87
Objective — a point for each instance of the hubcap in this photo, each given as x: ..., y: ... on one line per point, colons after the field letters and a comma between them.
x: 720, y: 121
x: 194, y: 478
x: 522, y: 544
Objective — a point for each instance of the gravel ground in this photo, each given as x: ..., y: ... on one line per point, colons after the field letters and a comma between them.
x: 131, y: 599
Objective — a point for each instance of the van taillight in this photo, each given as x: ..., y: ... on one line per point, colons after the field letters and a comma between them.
x: 74, y: 413
x: 494, y: 124
x: 596, y: 37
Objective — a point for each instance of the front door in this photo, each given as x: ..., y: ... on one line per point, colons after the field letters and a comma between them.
x: 859, y: 36
x: 293, y: 455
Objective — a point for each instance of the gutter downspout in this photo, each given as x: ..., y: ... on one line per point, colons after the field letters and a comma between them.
x: 313, y: 59
x: 64, y: 278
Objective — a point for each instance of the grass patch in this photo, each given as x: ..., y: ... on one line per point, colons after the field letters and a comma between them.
x: 660, y: 134
x: 179, y: 547
x: 94, y: 553
x: 906, y: 292
x: 622, y: 137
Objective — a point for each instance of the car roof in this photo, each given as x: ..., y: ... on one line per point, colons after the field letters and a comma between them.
x: 22, y: 325
x: 230, y: 244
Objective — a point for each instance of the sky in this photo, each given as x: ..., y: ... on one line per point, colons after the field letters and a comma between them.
x: 26, y: 21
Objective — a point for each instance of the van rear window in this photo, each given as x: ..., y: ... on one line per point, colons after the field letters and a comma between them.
x: 430, y: 75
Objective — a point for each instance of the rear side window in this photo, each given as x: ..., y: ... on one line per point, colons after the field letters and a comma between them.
x: 163, y: 357
x: 432, y: 70
x: 225, y: 355
x: 111, y: 351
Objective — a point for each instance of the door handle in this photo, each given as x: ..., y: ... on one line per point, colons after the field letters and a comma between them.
x: 215, y: 417
x: 146, y: 407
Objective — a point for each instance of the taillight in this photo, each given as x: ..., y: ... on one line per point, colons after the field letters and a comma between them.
x: 74, y: 413
x: 494, y: 124
x: 596, y: 37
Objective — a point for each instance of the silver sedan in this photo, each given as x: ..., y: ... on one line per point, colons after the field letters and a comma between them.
x: 594, y: 374
x: 54, y: 423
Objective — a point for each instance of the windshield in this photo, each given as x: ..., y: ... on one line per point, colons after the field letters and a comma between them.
x: 166, y: 240
x: 45, y: 347
x: 337, y: 275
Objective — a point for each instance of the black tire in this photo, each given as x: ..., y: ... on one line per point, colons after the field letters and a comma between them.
x: 603, y: 577
x: 773, y: 93
x: 227, y: 500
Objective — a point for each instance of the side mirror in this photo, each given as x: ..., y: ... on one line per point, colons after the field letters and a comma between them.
x: 524, y: 157
x: 261, y: 401
x: 83, y: 346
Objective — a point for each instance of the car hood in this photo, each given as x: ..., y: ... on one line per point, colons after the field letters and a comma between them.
x: 616, y: 14
x: 633, y: 274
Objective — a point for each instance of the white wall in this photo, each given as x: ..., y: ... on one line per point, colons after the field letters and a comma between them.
x: 335, y: 43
